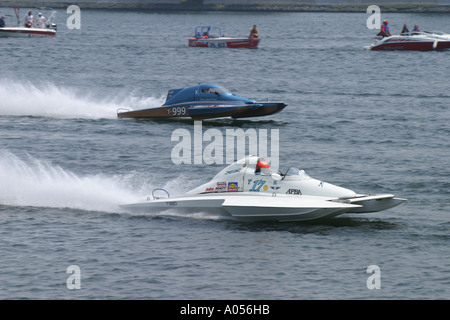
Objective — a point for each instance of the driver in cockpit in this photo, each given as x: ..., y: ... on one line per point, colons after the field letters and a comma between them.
x: 262, y: 167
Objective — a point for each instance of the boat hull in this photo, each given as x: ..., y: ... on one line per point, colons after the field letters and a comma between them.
x: 224, y: 42
x: 205, y: 111
x: 186, y: 111
x: 409, y: 46
x: 443, y: 45
x: 22, y: 32
x: 260, y: 109
x: 249, y: 208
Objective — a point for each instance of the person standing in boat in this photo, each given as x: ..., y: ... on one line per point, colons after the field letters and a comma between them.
x: 254, y: 33
x: 2, y: 22
x: 29, y: 20
x: 385, y: 30
x: 42, y: 22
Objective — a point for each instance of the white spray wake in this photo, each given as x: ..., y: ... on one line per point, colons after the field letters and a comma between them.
x: 33, y: 182
x: 48, y: 100
x: 39, y: 183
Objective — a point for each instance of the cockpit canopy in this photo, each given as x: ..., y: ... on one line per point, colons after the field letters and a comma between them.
x: 260, y: 165
x: 215, y: 90
x: 203, y: 92
x: 295, y: 174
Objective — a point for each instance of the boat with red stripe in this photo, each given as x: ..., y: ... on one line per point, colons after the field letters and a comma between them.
x: 414, y: 41
x: 31, y: 31
x: 212, y: 37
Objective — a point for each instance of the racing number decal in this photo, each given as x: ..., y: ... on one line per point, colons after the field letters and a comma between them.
x: 217, y: 45
x: 257, y: 184
x: 177, y: 111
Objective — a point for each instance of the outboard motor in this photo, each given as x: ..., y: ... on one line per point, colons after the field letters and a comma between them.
x: 52, y: 26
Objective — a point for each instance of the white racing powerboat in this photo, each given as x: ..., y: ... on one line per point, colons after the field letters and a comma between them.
x: 248, y: 191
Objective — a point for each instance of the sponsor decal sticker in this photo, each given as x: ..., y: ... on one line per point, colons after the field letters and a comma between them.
x: 233, y: 171
x: 221, y: 186
x: 233, y: 186
x: 293, y: 191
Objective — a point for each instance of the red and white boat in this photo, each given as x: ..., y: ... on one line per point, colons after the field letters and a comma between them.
x: 212, y: 37
x: 417, y: 41
x: 33, y: 32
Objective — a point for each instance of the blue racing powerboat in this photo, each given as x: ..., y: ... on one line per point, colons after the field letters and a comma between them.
x: 204, y: 101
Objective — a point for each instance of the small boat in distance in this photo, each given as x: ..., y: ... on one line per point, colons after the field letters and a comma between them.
x: 23, y: 32
x: 212, y: 37
x: 414, y: 41
x: 204, y: 101
x: 30, y: 32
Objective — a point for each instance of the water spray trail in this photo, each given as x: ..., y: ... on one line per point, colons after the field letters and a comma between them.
x: 48, y: 100
x: 38, y: 183
x: 33, y: 182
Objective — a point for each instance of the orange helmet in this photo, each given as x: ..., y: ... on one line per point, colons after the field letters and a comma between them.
x: 262, y: 164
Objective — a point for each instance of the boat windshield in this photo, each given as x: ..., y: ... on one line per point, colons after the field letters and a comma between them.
x: 216, y: 90
x: 208, y: 32
x: 296, y: 174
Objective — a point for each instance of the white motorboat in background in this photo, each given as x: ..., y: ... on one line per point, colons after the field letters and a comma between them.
x: 33, y: 32
x: 23, y: 32
x: 417, y: 41
x: 248, y: 191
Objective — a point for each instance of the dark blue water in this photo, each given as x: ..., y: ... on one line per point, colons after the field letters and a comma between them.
x: 369, y: 121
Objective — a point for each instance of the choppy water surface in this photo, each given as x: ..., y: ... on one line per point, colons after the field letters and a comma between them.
x: 369, y: 121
